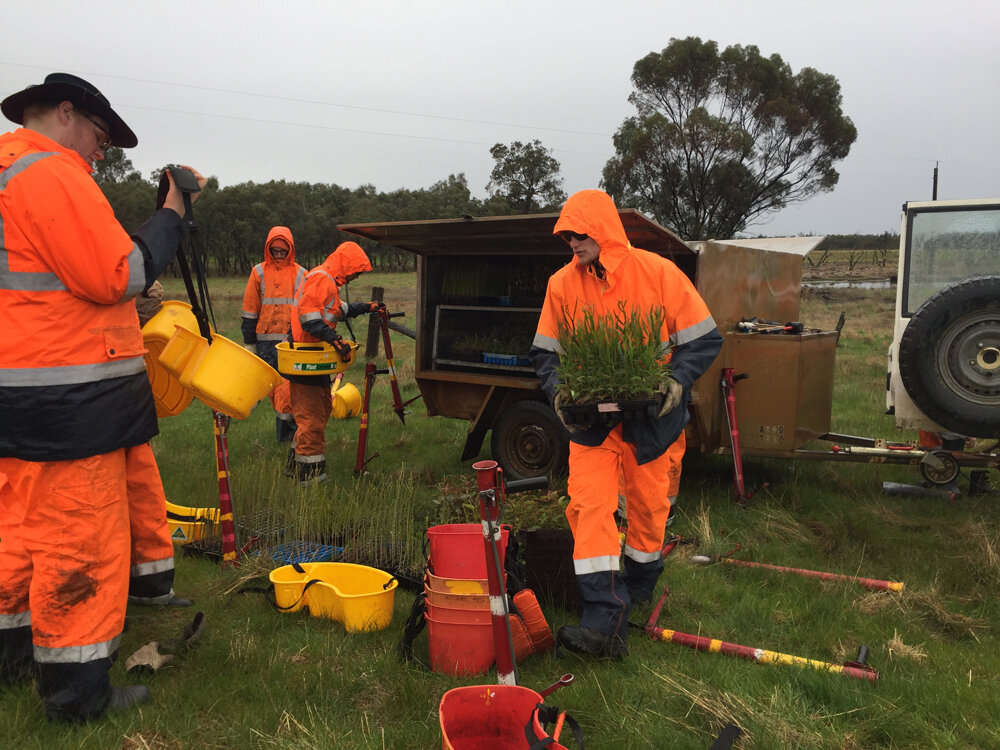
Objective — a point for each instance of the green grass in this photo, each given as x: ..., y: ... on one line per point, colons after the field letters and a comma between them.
x: 263, y: 679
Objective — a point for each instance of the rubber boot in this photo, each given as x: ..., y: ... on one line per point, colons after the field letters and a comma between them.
x: 640, y: 578
x: 290, y: 463
x: 284, y: 429
x: 127, y: 696
x: 603, y: 629
x: 314, y: 473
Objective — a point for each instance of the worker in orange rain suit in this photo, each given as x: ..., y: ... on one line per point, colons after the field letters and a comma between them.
x: 73, y: 399
x: 609, y: 271
x: 267, y: 313
x: 318, y: 308
x: 151, y: 572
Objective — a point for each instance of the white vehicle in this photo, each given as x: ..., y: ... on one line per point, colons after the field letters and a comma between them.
x: 944, y: 361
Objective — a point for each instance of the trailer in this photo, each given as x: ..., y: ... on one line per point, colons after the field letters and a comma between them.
x: 480, y: 286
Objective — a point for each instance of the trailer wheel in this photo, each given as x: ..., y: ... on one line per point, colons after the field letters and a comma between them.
x: 946, y: 474
x: 529, y: 441
x: 949, y: 357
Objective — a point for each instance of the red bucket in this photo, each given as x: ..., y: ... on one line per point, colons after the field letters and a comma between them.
x: 457, y: 551
x: 460, y: 649
x: 489, y: 717
x: 466, y: 616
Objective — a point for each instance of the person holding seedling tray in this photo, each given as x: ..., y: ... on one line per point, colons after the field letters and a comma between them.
x: 626, y: 327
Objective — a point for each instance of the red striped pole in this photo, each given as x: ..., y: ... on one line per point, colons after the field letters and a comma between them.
x: 486, y: 478
x: 868, y: 583
x: 362, y: 459
x: 713, y: 645
x: 226, y: 525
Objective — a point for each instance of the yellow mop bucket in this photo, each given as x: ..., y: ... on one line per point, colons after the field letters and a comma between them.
x: 359, y: 597
x: 312, y: 359
x: 223, y: 375
x: 170, y: 397
x: 191, y: 524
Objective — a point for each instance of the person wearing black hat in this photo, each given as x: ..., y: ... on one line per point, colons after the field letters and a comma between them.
x: 74, y: 395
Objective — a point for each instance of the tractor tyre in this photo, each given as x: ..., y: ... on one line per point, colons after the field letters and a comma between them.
x: 949, y: 357
x: 529, y: 441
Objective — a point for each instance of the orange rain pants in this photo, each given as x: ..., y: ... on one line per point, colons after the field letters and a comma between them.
x: 281, y: 399
x: 593, y: 493
x: 151, y: 575
x: 311, y: 407
x: 64, y: 551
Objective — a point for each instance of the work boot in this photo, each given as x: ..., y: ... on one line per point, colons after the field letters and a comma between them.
x: 284, y: 429
x: 128, y: 696
x: 312, y: 473
x: 290, y: 463
x: 179, y: 601
x: 591, y: 642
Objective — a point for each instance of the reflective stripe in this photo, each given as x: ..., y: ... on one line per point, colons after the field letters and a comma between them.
x: 344, y: 308
x: 284, y: 416
x: 27, y: 281
x: 277, y: 300
x: 249, y: 315
x: 310, y: 459
x: 152, y: 567
x: 259, y: 270
x: 271, y: 336
x: 547, y: 343
x: 22, y: 377
x: 330, y: 317
x: 299, y: 278
x: 20, y: 620
x: 136, y: 272
x: 691, y: 333
x: 161, y: 599
x: 306, y: 317
x: 595, y: 565
x: 641, y: 557
x: 76, y: 654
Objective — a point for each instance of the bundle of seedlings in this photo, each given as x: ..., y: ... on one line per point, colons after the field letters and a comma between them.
x: 610, y: 364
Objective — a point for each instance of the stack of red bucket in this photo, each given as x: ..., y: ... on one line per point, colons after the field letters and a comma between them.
x: 457, y: 601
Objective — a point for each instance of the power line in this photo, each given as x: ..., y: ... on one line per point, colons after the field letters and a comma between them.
x: 326, y: 103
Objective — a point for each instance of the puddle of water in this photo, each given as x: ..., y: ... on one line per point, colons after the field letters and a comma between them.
x: 870, y: 284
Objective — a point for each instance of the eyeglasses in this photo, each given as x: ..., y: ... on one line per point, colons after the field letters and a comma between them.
x: 103, y: 136
x: 567, y: 236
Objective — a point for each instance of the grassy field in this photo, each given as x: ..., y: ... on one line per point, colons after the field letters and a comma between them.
x: 258, y: 678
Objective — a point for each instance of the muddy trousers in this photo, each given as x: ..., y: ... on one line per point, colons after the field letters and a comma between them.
x: 605, y: 593
x: 151, y: 573
x: 311, y: 407
x: 64, y: 551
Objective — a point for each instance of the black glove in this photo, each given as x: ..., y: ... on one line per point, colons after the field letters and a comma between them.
x: 342, y: 348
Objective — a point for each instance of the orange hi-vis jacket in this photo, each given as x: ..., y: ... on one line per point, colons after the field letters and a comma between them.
x: 643, y: 281
x: 318, y: 307
x: 72, y: 376
x: 270, y: 294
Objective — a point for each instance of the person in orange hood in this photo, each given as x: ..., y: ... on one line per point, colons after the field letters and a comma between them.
x: 73, y: 398
x: 318, y: 308
x: 267, y: 312
x: 607, y: 272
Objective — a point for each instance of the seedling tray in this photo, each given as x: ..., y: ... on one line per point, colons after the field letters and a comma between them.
x: 609, y: 412
x: 511, y: 360
x: 304, y: 552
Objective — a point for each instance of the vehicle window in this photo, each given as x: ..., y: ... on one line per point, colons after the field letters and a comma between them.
x: 946, y: 247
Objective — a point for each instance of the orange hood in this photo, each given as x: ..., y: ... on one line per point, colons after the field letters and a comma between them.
x: 347, y: 259
x: 279, y: 233
x: 593, y: 212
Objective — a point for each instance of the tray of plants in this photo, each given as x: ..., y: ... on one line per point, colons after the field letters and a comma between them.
x: 611, y: 366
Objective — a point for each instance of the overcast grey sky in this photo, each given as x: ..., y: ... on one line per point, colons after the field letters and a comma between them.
x: 400, y: 94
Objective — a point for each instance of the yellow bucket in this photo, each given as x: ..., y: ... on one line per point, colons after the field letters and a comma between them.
x: 346, y: 401
x: 191, y: 524
x: 312, y: 359
x: 230, y: 379
x: 358, y: 596
x: 170, y: 397
x: 223, y: 375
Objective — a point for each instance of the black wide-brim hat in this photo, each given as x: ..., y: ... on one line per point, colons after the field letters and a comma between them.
x: 62, y: 87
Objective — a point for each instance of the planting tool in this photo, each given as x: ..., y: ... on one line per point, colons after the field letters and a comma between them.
x: 856, y: 669
x: 794, y: 327
x: 399, y: 406
x: 226, y: 526
x: 492, y: 495
x: 729, y: 379
x: 566, y: 679
x: 869, y: 583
